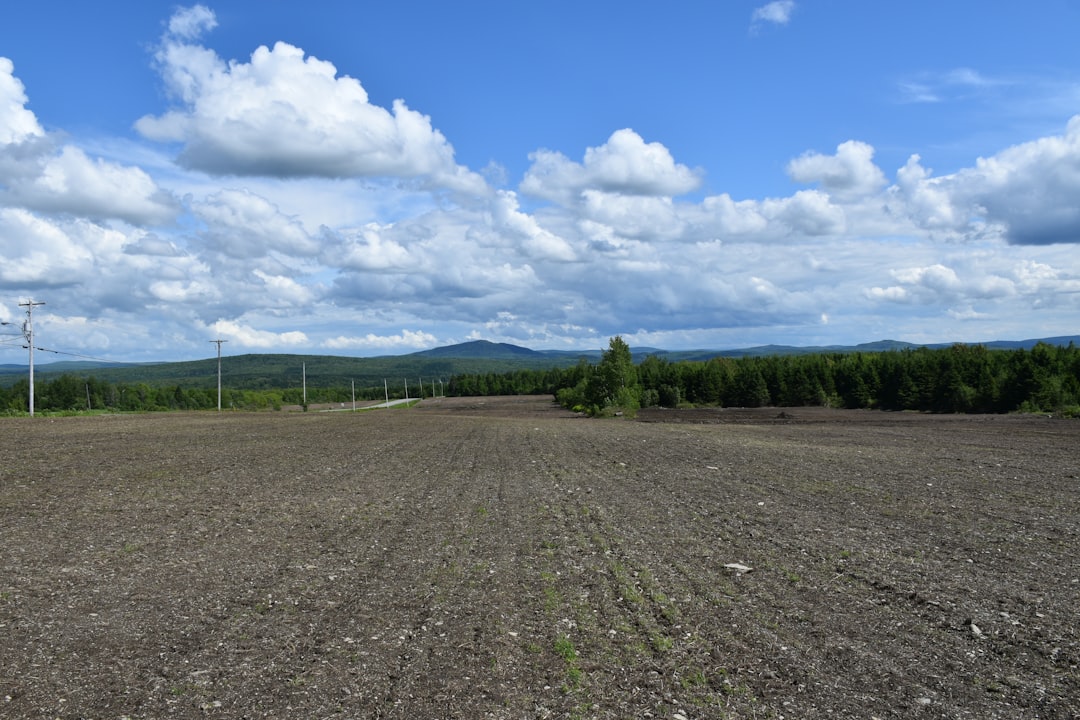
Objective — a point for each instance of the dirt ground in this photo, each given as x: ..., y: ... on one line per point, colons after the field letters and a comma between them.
x: 502, y: 558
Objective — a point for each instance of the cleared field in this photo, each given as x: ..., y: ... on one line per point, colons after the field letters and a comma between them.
x: 500, y: 558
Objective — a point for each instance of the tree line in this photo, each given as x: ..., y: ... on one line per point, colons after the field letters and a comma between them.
x: 957, y: 379
x: 72, y: 393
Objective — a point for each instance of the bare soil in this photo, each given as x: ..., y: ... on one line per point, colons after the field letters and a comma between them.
x: 502, y: 558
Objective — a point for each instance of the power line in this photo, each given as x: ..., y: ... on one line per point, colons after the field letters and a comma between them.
x: 84, y: 357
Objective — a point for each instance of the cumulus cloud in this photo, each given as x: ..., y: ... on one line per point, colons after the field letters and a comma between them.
x: 720, y: 216
x: 35, y: 175
x: 847, y: 175
x: 284, y: 291
x: 369, y: 249
x: 935, y: 277
x: 927, y: 201
x: 807, y: 212
x: 459, y: 264
x: 17, y: 123
x: 625, y: 164
x: 655, y: 218
x: 939, y: 283
x: 285, y: 114
x: 72, y: 182
x: 536, y: 242
x: 1031, y: 188
x: 36, y: 252
x: 1025, y: 194
x: 241, y: 224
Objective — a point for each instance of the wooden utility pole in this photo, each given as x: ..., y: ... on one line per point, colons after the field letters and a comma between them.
x: 219, y: 371
x: 28, y: 331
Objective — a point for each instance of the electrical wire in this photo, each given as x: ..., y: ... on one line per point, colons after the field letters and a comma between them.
x: 84, y: 357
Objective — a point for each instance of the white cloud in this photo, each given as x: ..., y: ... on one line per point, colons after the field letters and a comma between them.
x: 248, y: 337
x: 927, y: 201
x: 1031, y: 188
x: 936, y: 277
x: 968, y: 77
x: 537, y: 242
x: 284, y: 114
x: 16, y: 122
x: 190, y: 23
x: 184, y: 292
x: 405, y: 340
x: 778, y: 12
x: 847, y: 175
x: 625, y: 164
x: 807, y: 212
x: 967, y: 313
x: 72, y: 182
x: 940, y: 284
x: 36, y: 252
x: 285, y: 291
x: 655, y: 218
x: 954, y: 84
x: 721, y: 216
x: 1037, y: 279
x: 240, y: 224
x: 35, y: 176
x: 1025, y: 194
x: 372, y: 249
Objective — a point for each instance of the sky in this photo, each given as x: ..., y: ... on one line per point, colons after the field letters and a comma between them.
x: 363, y: 179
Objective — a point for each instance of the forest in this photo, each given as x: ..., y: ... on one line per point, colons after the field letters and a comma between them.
x: 72, y: 393
x: 957, y: 379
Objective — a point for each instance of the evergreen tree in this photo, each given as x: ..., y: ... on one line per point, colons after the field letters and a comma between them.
x: 615, y: 381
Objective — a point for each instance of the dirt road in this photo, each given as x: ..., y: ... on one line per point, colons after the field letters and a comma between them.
x: 501, y: 558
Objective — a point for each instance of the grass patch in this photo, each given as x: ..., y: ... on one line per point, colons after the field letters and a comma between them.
x: 564, y: 648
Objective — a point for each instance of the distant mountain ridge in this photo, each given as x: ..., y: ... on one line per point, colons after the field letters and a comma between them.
x: 258, y: 371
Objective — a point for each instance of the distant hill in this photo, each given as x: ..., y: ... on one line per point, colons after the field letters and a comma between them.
x: 266, y: 371
x: 271, y: 371
x: 482, y: 349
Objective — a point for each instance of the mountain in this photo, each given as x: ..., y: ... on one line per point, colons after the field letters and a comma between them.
x: 481, y: 349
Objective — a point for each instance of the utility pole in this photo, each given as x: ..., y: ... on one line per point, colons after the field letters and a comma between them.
x: 219, y: 371
x: 28, y: 331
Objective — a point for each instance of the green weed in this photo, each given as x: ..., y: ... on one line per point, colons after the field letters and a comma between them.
x: 564, y: 648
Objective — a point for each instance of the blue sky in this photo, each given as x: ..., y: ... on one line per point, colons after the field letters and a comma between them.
x: 379, y: 178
